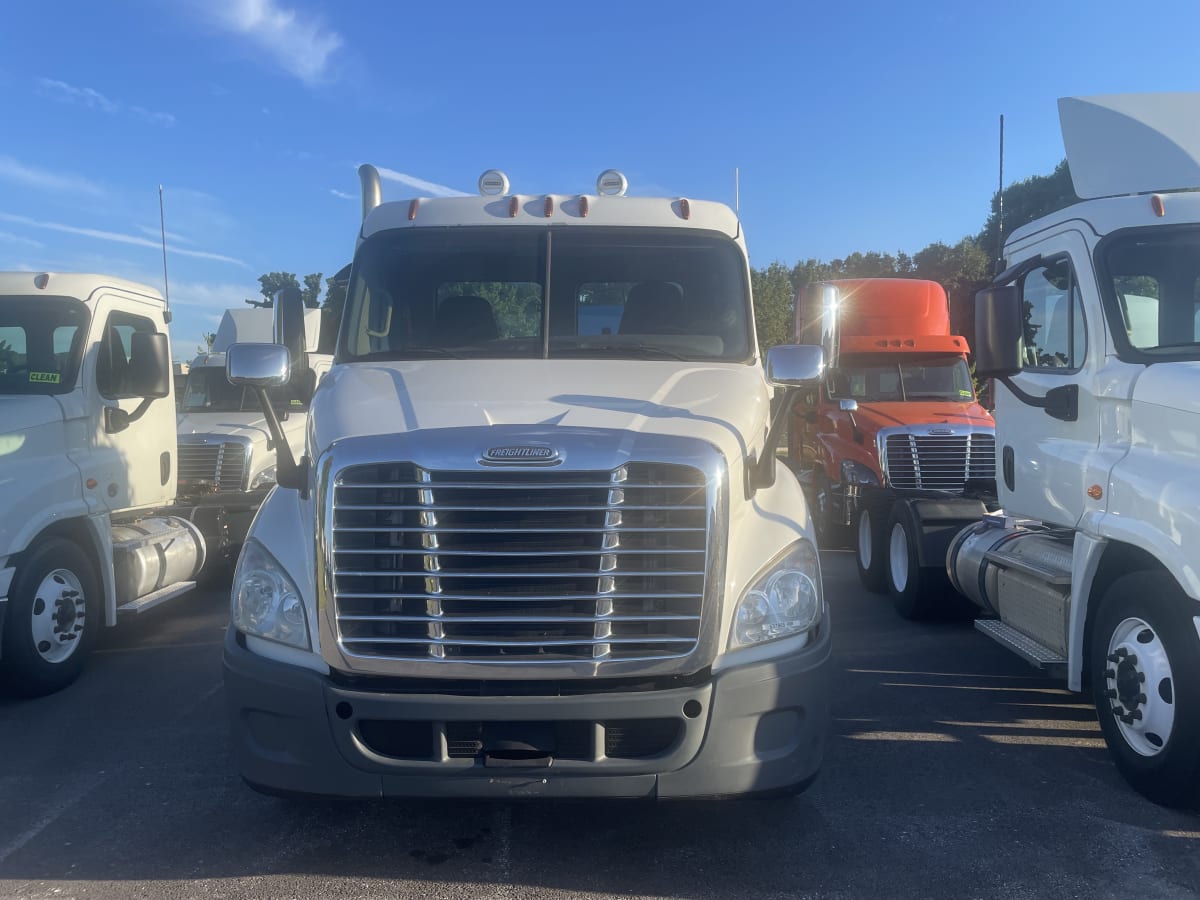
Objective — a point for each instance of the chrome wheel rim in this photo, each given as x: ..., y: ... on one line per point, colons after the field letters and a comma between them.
x: 1139, y: 686
x: 59, y: 615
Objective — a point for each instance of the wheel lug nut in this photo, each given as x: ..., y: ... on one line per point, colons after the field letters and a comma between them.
x: 1110, y: 673
x: 1111, y: 695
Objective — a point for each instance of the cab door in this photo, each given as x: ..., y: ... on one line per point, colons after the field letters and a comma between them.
x: 132, y: 467
x: 1042, y: 459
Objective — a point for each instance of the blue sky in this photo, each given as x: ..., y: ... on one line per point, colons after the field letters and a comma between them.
x: 856, y: 126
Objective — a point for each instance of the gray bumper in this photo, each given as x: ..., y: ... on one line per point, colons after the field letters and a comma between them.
x: 759, y: 727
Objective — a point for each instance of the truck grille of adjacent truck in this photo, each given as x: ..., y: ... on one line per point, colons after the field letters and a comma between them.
x: 222, y: 465
x: 938, y: 462
x: 519, y: 567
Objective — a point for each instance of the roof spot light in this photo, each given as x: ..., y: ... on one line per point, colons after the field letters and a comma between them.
x: 611, y: 183
x: 493, y: 183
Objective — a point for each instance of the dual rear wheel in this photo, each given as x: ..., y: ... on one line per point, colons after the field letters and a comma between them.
x: 888, y: 561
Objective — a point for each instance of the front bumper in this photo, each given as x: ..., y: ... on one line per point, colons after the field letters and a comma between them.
x: 758, y: 727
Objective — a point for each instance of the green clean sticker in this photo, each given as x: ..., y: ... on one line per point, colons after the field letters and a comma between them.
x: 964, y: 393
x: 45, y: 377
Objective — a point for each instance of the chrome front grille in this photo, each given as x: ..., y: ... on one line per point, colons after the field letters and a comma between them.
x: 938, y: 462
x: 221, y: 465
x: 519, y: 565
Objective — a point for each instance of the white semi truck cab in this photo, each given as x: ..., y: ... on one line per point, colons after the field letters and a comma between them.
x: 1093, y: 336
x: 537, y: 544
x: 87, y: 456
x: 226, y: 454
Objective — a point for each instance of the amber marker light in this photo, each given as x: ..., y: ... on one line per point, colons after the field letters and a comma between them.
x: 1095, y: 492
x: 412, y: 209
x: 1157, y: 204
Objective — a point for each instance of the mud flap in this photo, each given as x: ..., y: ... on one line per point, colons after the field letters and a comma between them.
x: 938, y: 521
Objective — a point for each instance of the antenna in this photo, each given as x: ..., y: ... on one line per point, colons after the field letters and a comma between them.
x: 162, y: 224
x: 736, y: 186
x: 1000, y: 210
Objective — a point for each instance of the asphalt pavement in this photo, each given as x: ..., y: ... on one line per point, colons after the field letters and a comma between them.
x: 953, y: 771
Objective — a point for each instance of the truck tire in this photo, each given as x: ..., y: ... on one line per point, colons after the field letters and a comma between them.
x: 53, y: 618
x: 870, y: 551
x: 1144, y: 661
x: 918, y: 592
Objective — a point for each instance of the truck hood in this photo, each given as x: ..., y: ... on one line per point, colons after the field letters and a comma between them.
x: 872, y: 417
x: 725, y: 404
x: 20, y: 414
x: 239, y: 424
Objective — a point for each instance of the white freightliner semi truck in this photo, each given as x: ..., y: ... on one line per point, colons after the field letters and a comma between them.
x: 537, y: 544
x: 87, y: 460
x: 226, y: 455
x: 1093, y: 336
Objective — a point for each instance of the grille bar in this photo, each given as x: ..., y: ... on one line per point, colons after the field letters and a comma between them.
x: 224, y: 465
x: 509, y: 567
x: 938, y: 462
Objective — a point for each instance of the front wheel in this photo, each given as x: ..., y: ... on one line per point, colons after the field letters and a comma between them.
x: 870, y: 554
x: 1144, y: 661
x: 53, y: 615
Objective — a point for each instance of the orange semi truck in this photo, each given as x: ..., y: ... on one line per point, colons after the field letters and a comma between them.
x: 892, y: 445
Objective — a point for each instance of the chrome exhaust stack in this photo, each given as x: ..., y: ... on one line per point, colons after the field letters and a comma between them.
x: 372, y: 191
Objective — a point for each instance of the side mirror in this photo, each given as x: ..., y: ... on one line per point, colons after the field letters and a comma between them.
x: 289, y: 327
x: 848, y: 405
x: 149, y: 365
x: 999, y: 332
x: 795, y: 365
x: 262, y: 366
x: 258, y: 365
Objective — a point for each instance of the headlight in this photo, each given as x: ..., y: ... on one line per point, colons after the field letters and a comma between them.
x: 784, y: 600
x: 265, y: 478
x: 856, y: 473
x: 265, y: 601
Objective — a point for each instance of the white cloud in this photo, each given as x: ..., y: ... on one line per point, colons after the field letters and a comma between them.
x: 117, y: 237
x: 156, y: 233
x: 342, y: 194
x: 428, y: 187
x: 93, y: 99
x: 16, y: 171
x: 212, y: 295
x: 8, y: 238
x: 301, y: 45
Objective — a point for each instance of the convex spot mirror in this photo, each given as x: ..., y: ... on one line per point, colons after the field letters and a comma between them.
x: 795, y: 365
x: 258, y: 365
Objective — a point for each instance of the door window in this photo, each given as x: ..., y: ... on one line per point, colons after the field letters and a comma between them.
x: 1054, y: 328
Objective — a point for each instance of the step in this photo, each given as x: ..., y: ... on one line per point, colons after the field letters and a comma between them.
x: 154, y: 598
x: 1023, y: 645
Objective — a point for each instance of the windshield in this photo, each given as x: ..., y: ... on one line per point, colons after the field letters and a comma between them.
x: 1152, y: 286
x: 631, y: 293
x: 41, y: 344
x: 208, y: 390
x: 876, y: 379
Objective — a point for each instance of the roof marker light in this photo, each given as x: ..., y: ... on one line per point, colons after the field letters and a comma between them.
x: 40, y: 281
x: 1157, y: 204
x: 583, y: 206
x: 685, y: 208
x: 611, y: 183
x: 412, y: 208
x: 493, y: 183
x: 548, y: 206
x: 514, y: 206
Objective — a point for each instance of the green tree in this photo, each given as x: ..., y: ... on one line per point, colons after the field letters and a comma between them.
x: 209, y: 338
x: 773, y: 302
x: 1025, y: 201
x: 311, y: 292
